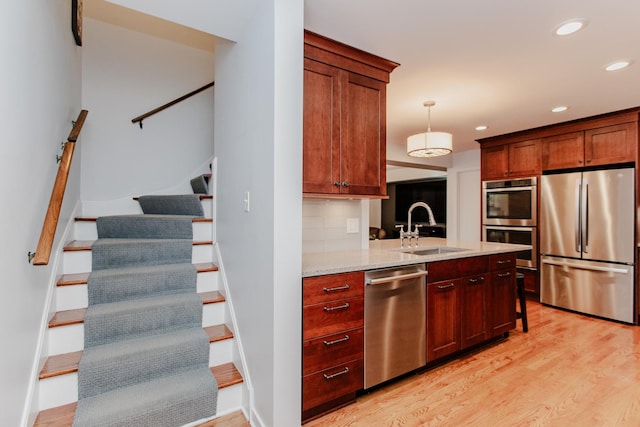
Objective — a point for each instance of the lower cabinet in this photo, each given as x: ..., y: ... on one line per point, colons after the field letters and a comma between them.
x: 333, y: 341
x: 503, y: 293
x: 456, y: 305
x: 469, y: 301
x: 474, y: 313
x: 443, y: 318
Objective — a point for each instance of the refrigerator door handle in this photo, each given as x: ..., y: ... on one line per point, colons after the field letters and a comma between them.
x: 577, y: 216
x: 586, y: 267
x: 585, y: 216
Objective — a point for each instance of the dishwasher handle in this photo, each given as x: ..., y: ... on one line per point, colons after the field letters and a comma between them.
x: 389, y: 279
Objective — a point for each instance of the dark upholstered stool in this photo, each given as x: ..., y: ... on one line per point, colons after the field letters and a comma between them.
x: 522, y: 314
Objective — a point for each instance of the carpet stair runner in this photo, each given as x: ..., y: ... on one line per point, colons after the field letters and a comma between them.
x: 146, y: 355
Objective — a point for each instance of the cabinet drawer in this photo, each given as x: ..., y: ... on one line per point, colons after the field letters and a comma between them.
x: 332, y: 317
x: 335, y: 286
x: 332, y: 383
x: 502, y: 261
x: 451, y: 269
x: 330, y: 350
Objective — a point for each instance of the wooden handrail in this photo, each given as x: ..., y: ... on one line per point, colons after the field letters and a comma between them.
x: 43, y: 251
x: 139, y: 119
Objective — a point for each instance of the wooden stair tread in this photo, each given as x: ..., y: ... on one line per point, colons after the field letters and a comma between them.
x: 85, y: 245
x: 234, y: 419
x: 60, y: 364
x: 212, y: 297
x: 76, y: 315
x: 94, y: 219
x: 226, y: 375
x: 67, y: 363
x: 67, y: 317
x: 62, y: 416
x: 82, y: 278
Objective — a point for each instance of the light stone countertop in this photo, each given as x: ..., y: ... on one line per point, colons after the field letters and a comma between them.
x: 387, y: 253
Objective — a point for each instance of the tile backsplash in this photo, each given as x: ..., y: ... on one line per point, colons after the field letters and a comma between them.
x: 324, y: 224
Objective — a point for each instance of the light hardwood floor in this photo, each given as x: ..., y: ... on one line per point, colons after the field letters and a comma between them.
x: 569, y: 370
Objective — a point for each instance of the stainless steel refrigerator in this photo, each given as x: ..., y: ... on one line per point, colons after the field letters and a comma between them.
x: 587, y: 242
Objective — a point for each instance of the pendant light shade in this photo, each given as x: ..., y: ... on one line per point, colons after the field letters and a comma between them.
x: 429, y: 144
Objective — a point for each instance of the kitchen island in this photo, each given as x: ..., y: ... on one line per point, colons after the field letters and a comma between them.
x: 387, y: 253
x: 468, y: 300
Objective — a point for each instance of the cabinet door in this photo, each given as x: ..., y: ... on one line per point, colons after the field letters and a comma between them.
x: 524, y: 158
x: 563, y: 151
x: 503, y: 301
x: 321, y: 128
x: 443, y: 318
x: 495, y: 162
x: 474, y: 320
x: 363, y: 136
x: 610, y: 144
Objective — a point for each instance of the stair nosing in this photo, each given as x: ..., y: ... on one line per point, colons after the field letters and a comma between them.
x: 76, y: 315
x: 202, y: 197
x: 62, y: 416
x: 73, y: 279
x: 94, y: 219
x: 67, y: 363
x: 85, y: 245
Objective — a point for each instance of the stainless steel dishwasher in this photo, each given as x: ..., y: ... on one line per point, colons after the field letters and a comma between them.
x: 395, y: 322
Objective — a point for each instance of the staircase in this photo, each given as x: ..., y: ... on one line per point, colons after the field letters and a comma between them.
x: 58, y: 378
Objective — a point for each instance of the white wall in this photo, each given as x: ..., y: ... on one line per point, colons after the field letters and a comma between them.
x: 126, y: 74
x: 258, y: 132
x: 40, y: 87
x: 463, y: 196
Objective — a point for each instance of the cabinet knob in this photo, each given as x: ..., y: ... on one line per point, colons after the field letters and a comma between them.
x: 345, y: 183
x: 336, y: 183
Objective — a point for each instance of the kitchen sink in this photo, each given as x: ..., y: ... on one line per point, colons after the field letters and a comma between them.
x: 433, y: 250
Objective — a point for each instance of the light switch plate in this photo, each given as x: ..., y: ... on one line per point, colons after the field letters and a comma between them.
x: 247, y: 205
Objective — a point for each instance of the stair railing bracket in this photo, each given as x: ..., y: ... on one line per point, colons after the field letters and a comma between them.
x: 30, y: 256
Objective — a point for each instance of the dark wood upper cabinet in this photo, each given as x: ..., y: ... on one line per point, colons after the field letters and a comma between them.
x: 518, y: 159
x: 610, y: 144
x: 344, y: 127
x: 601, y: 140
x: 563, y: 151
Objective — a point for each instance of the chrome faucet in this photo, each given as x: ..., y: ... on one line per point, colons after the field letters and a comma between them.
x: 415, y: 233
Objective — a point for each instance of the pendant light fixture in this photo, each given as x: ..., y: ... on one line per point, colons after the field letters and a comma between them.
x: 429, y: 144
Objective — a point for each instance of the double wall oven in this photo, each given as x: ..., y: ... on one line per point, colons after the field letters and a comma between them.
x: 509, y: 215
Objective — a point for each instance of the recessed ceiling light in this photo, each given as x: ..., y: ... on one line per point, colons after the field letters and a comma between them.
x: 482, y: 127
x: 560, y: 109
x: 569, y: 27
x: 617, y: 65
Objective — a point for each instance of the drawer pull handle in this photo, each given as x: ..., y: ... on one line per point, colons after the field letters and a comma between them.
x: 504, y: 261
x: 478, y: 280
x: 450, y: 285
x: 338, y: 288
x: 338, y: 341
x: 337, y: 374
x: 504, y: 274
x: 338, y: 307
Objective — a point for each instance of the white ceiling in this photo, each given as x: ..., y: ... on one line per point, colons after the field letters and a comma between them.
x: 491, y: 62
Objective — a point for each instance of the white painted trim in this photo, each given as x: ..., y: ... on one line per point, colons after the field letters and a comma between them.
x: 31, y: 406
x: 231, y: 313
